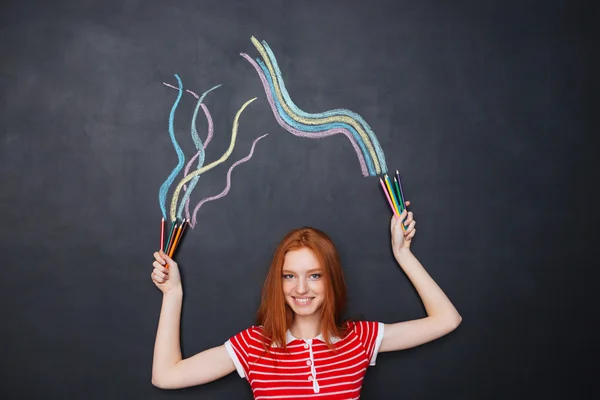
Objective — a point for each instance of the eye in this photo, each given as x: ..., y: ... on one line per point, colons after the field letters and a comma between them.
x: 315, y: 277
x: 288, y: 276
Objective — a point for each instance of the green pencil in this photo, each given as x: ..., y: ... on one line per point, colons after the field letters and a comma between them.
x: 170, y: 235
x: 399, y: 195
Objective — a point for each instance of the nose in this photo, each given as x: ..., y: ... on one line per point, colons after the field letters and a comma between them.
x: 302, y: 286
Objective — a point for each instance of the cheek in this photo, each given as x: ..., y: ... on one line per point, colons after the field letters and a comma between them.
x: 287, y: 287
x: 318, y: 287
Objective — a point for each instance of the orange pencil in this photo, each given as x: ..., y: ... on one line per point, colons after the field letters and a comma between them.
x: 185, y: 224
x: 174, y: 241
x: 180, y: 236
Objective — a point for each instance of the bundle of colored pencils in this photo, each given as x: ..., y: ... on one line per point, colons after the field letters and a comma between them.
x: 175, y: 235
x: 394, y: 193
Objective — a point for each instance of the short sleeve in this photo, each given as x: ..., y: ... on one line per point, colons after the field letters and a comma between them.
x: 242, y: 346
x: 370, y: 335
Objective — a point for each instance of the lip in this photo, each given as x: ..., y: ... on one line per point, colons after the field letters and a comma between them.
x: 307, y: 301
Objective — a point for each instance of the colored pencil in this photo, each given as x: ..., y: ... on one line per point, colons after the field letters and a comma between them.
x: 179, y: 237
x: 391, y: 192
x: 185, y: 225
x: 175, y: 238
x: 166, y: 248
x: 400, y: 184
x: 402, y: 205
x: 388, y: 198
x: 162, y: 233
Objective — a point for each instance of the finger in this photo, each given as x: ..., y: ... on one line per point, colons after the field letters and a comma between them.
x: 159, y: 258
x: 168, y: 259
x: 409, y: 218
x: 161, y: 275
x: 403, y: 214
x: 407, y: 203
x: 156, y: 279
x: 411, y: 234
x: 158, y: 266
x: 404, y: 217
x: 410, y: 228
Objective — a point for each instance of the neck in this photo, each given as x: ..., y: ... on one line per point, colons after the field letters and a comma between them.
x: 306, y: 327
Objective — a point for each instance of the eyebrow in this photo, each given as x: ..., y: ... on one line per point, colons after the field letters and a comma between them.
x: 310, y: 271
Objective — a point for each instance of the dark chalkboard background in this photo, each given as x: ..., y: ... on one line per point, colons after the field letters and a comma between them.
x: 484, y: 107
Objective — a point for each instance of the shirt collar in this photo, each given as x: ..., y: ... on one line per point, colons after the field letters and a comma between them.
x: 290, y: 338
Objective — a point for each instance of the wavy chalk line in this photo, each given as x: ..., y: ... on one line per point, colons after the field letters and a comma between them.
x: 211, y: 165
x: 164, y: 188
x: 316, y: 121
x: 228, y: 185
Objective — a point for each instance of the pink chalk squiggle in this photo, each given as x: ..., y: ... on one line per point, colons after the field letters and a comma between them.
x: 176, y: 88
x: 228, y: 186
x: 296, y: 132
x: 191, y: 162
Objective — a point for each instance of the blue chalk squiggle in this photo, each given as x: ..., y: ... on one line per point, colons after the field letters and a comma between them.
x: 164, y: 188
x: 330, y: 113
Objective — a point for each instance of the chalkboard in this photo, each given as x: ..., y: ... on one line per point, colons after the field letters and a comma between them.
x: 484, y: 107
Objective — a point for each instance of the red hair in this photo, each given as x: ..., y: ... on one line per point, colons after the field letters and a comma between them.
x: 274, y: 314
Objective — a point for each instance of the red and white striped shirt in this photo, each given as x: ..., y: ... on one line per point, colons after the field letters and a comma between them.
x: 309, y: 369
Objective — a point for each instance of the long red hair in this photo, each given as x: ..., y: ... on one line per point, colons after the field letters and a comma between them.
x: 274, y: 314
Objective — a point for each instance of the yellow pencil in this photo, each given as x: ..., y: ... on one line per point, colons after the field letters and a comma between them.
x: 387, y: 183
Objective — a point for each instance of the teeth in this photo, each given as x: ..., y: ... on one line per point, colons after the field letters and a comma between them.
x: 302, y: 300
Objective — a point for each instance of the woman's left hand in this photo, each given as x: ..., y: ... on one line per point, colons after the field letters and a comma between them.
x: 401, y: 239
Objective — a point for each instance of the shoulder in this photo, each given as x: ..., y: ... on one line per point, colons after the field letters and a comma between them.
x: 367, y: 332
x: 360, y: 327
x: 249, y: 338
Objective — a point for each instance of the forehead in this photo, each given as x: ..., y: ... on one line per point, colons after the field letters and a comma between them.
x: 302, y: 259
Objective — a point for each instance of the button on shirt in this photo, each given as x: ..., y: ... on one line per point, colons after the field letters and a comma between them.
x: 309, y: 369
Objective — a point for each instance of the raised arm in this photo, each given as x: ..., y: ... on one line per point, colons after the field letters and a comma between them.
x: 169, y: 370
x: 442, y: 317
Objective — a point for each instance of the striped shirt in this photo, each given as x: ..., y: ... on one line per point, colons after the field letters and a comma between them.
x: 309, y: 369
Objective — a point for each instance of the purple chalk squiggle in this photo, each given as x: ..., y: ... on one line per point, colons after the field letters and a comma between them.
x: 312, y: 135
x: 228, y: 186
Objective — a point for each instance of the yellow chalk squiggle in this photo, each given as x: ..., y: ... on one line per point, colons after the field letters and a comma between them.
x: 315, y: 121
x: 211, y: 165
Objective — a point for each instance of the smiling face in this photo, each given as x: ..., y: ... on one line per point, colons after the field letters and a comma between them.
x: 303, y: 282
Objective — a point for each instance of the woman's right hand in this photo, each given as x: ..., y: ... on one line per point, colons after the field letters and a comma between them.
x: 166, y: 273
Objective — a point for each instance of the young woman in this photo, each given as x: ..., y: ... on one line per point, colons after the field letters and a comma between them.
x: 300, y: 348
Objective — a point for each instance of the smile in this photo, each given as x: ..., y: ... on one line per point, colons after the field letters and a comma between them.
x: 302, y: 300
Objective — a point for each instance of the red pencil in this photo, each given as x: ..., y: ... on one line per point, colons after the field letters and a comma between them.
x: 162, y: 233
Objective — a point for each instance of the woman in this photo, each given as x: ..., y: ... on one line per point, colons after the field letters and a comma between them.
x: 300, y: 348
